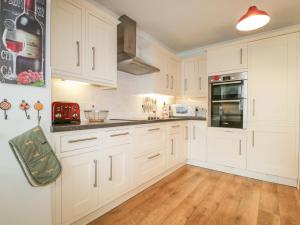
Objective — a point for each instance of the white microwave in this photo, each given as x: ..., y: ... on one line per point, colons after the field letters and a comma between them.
x: 183, y: 110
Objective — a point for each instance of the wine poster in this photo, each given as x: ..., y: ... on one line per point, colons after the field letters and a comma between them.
x: 22, y: 45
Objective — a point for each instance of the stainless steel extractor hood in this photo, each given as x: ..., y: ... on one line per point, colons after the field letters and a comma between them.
x: 127, y: 60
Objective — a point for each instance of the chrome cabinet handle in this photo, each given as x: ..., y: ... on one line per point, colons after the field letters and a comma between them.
x: 81, y: 140
x: 154, y: 156
x: 226, y: 83
x: 96, y: 173
x: 172, y: 142
x: 240, y: 147
x: 253, y: 139
x: 200, y: 83
x: 111, y: 168
x: 186, y: 133
x: 78, y: 53
x: 175, y: 126
x: 185, y: 85
x: 194, y: 132
x: 172, y: 82
x: 94, y: 58
x: 121, y: 134
x: 253, y: 107
x: 154, y: 129
x: 241, y: 56
x: 167, y: 85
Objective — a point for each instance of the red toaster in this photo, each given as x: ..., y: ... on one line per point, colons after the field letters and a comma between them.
x: 65, y: 112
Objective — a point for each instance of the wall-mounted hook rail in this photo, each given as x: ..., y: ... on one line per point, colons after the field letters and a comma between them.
x: 5, y: 105
x: 25, y: 106
x: 39, y: 107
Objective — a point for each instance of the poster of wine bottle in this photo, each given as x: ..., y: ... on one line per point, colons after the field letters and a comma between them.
x: 22, y: 45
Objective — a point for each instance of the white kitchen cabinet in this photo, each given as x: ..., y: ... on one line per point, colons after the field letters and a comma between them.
x: 273, y: 79
x: 272, y: 149
x: 67, y: 37
x: 194, y: 78
x: 79, y: 185
x: 227, y: 58
x: 176, y: 152
x: 115, y: 175
x: 83, y: 43
x: 101, y: 49
x: 167, y: 80
x: 148, y: 166
x: 227, y: 147
x: 274, y: 106
x: 197, y: 146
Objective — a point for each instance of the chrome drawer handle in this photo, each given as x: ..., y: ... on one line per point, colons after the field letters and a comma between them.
x: 154, y: 129
x: 94, y: 58
x: 111, y: 168
x: 121, y: 134
x: 172, y: 152
x: 154, y: 156
x: 81, y: 140
x: 240, y: 147
x: 96, y: 173
x: 78, y: 53
x: 175, y: 126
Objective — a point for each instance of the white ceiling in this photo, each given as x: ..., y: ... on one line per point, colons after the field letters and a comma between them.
x: 186, y: 24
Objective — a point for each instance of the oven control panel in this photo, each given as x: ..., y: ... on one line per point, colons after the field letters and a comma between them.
x: 65, y: 112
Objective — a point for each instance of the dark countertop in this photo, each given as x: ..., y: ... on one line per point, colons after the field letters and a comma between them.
x: 113, y: 123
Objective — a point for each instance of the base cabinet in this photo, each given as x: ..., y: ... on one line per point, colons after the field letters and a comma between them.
x: 80, y: 186
x: 197, y: 144
x: 115, y: 177
x: 148, y: 166
x: 273, y: 150
x: 227, y: 148
x: 176, y: 151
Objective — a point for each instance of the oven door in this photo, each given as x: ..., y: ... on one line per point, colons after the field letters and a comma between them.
x: 228, y: 90
x: 228, y: 113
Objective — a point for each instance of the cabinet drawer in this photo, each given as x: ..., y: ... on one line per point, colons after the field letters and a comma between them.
x: 117, y: 137
x: 79, y: 141
x: 148, y: 166
x: 175, y: 128
x: 149, y: 139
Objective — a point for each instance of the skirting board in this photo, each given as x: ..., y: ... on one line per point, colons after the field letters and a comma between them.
x: 94, y: 215
x: 245, y: 173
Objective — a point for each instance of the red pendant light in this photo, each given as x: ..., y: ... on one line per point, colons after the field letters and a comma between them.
x: 253, y: 19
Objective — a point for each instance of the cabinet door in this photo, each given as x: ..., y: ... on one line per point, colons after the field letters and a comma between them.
x: 115, y: 178
x: 148, y: 166
x: 227, y: 58
x: 272, y: 150
x: 197, y: 151
x: 226, y: 148
x: 101, y: 50
x: 176, y: 151
x: 67, y: 37
x: 80, y: 187
x: 189, y: 74
x: 273, y: 79
x: 172, y: 67
x: 202, y: 79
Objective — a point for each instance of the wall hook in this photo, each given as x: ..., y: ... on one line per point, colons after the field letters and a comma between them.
x: 5, y: 105
x: 25, y: 106
x: 39, y: 107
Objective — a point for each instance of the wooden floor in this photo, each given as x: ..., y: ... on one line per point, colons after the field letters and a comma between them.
x: 195, y: 196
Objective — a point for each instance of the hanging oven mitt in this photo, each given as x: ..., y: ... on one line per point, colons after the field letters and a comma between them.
x: 36, y: 157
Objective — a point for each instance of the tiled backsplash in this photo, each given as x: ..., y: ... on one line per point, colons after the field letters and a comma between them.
x: 122, y: 102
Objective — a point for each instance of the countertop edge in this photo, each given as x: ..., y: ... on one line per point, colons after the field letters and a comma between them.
x: 87, y: 126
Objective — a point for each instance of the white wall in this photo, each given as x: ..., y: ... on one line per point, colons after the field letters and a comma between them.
x: 21, y: 204
x: 123, y: 102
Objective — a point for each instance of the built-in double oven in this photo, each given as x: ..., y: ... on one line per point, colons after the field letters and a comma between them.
x: 228, y: 100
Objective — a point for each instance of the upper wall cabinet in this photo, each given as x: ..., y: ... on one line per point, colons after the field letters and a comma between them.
x: 194, y: 77
x: 167, y: 80
x: 83, y: 43
x: 227, y: 59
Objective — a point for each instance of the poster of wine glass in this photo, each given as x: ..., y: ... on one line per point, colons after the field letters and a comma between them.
x: 22, y: 45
